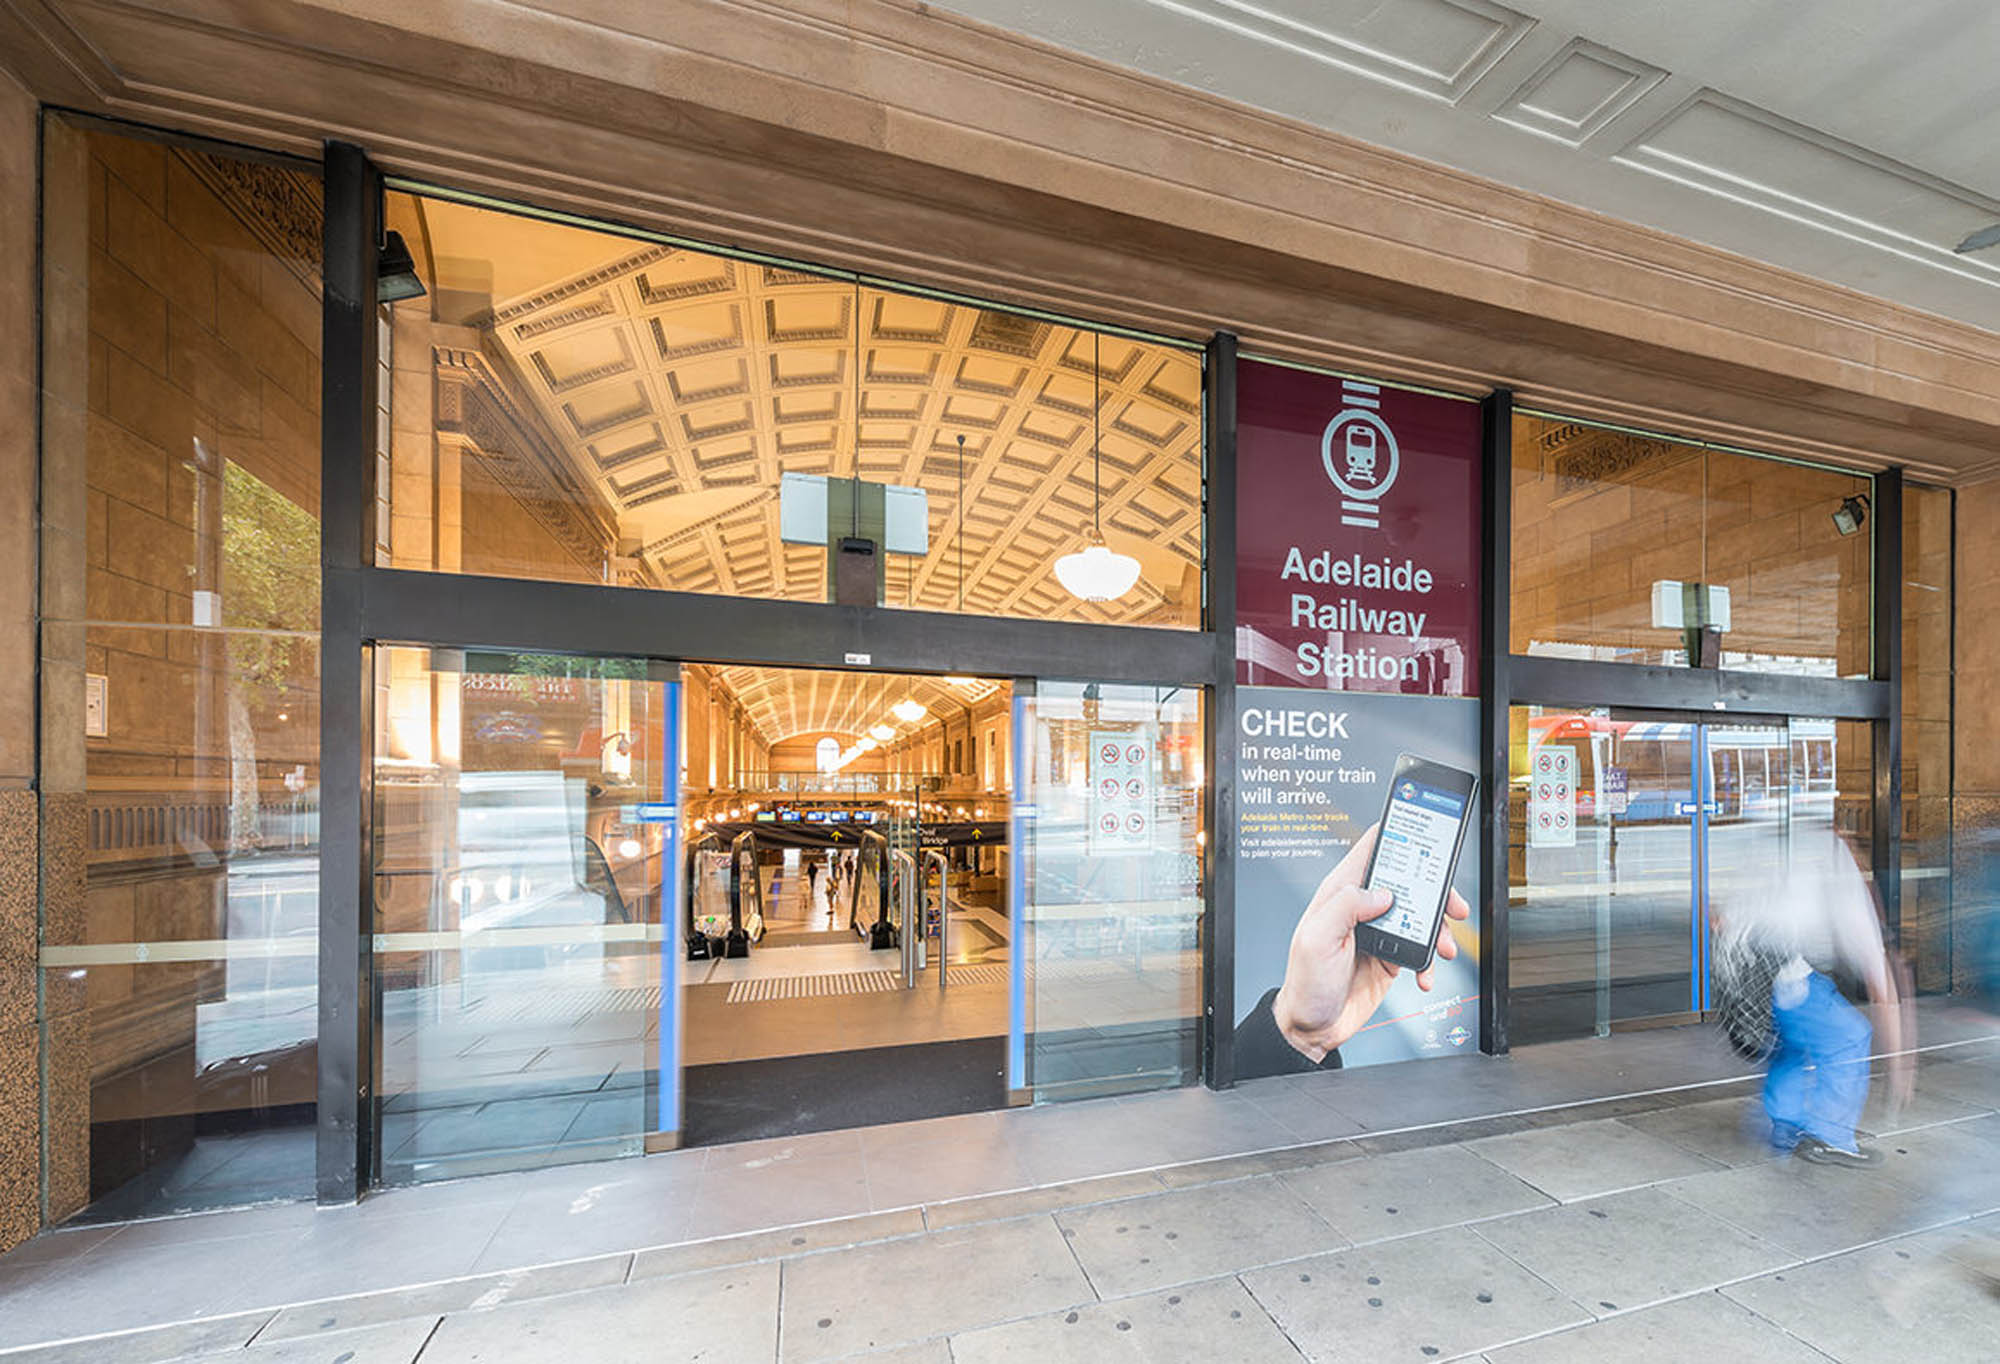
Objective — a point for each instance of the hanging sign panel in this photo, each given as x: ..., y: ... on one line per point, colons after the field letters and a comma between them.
x: 1357, y: 535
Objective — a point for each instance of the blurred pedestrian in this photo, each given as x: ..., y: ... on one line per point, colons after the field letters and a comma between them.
x: 1814, y: 919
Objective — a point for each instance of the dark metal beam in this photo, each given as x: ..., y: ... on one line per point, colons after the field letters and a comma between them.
x: 583, y: 618
x: 1716, y: 694
x: 1886, y: 850
x: 347, y: 462
x: 1495, y: 697
x: 1218, y: 1062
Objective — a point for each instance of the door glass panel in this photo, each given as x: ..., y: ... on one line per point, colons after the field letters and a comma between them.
x: 517, y: 901
x: 1110, y: 891
x: 1600, y: 917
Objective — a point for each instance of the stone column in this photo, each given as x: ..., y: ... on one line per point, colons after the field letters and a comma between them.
x: 65, y: 411
x: 20, y: 931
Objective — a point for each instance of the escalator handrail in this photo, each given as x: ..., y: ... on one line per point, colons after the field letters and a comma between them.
x: 745, y: 841
x: 704, y: 843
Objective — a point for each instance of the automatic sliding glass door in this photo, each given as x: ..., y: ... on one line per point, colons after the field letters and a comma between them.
x: 1630, y: 829
x: 524, y: 849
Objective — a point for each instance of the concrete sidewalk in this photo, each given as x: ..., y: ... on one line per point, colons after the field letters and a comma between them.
x: 1646, y: 1226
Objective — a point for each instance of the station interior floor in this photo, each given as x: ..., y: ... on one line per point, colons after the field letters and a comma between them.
x: 1656, y: 1120
x: 813, y: 985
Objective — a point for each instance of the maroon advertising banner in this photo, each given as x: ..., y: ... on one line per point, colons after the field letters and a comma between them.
x: 1357, y: 536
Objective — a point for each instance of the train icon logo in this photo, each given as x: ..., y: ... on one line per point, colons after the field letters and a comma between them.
x: 1360, y: 454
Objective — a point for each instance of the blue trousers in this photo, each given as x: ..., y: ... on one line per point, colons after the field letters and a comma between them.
x: 1819, y: 1071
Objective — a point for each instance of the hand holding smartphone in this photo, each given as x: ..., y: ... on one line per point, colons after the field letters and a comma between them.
x: 1422, y: 831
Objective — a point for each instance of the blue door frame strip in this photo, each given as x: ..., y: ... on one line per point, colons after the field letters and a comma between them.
x: 668, y: 1118
x: 1700, y: 787
x: 1020, y: 819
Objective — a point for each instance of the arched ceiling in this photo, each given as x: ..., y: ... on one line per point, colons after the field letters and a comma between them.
x: 784, y: 703
x: 683, y: 384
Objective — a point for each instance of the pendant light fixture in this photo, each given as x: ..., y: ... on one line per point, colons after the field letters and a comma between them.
x: 1097, y: 572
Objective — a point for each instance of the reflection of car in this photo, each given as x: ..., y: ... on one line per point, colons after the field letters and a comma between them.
x: 508, y: 727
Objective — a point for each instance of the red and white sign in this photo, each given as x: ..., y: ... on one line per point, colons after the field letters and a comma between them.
x: 1357, y: 535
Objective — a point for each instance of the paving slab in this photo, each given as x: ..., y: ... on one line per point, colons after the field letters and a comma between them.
x: 717, y: 1252
x: 178, y: 1341
x: 1030, y: 1202
x: 1410, y: 1191
x: 1416, y: 1298
x: 1629, y: 1249
x: 398, y: 1342
x: 1972, y: 1082
x: 1882, y: 1115
x: 1262, y: 1163
x: 1949, y: 1165
x: 1811, y: 1210
x: 1218, y: 1320
x: 1890, y: 1304
x: 1193, y: 1234
x: 1585, y: 1159
x: 788, y: 1186
x: 1704, y: 1327
x: 923, y: 1352
x: 727, y: 1316
x: 433, y: 1300
x: 898, y: 1292
x: 1974, y: 1244
x: 1727, y: 1131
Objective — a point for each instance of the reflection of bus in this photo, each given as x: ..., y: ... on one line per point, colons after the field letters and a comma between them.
x: 1751, y: 769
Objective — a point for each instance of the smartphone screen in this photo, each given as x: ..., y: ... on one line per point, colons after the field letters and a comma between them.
x: 1416, y: 852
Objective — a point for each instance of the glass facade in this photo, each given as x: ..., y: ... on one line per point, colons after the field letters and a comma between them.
x: 564, y: 404
x: 575, y: 405
x: 1607, y: 522
x: 182, y: 604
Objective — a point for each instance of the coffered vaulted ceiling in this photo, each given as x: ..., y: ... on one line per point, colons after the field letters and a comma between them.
x: 784, y: 703
x: 683, y: 384
x: 1852, y: 140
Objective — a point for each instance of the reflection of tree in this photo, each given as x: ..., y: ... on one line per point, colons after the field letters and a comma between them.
x: 528, y: 669
x: 270, y: 586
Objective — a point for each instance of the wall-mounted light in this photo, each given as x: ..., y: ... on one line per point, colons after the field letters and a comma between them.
x: 395, y: 272
x: 1852, y: 515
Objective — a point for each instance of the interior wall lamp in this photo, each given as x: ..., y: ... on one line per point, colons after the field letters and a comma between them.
x: 1097, y: 572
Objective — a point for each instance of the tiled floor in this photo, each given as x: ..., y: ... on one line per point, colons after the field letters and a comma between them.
x: 1183, y: 1225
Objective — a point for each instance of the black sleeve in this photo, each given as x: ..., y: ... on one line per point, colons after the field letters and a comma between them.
x: 1262, y: 1050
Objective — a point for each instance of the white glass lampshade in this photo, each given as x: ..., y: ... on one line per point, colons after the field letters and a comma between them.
x: 910, y: 710
x: 882, y: 733
x: 865, y: 743
x: 1097, y: 573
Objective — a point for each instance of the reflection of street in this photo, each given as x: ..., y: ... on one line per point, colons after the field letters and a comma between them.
x: 271, y: 1001
x: 525, y: 1030
x: 1622, y: 902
